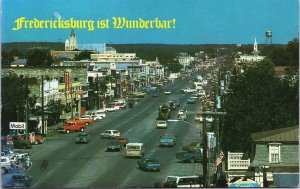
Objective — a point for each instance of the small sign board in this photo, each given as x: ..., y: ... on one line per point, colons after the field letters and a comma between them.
x: 17, y: 125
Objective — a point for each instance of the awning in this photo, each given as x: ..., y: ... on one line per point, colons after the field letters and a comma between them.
x: 244, y: 183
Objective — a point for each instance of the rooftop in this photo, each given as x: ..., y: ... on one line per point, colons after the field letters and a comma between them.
x: 287, y: 134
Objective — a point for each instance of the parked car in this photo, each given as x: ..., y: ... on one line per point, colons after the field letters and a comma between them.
x: 114, y: 146
x: 209, y: 119
x: 189, y: 156
x: 16, y: 180
x: 99, y: 114
x: 122, y: 140
x: 148, y: 164
x: 112, y: 109
x: 83, y: 138
x: 97, y: 117
x: 87, y: 119
x: 192, y: 181
x: 192, y: 146
x: 161, y: 124
x: 110, y: 134
x: 167, y: 140
x: 72, y: 125
x: 102, y: 110
x: 5, y: 164
x: 198, y: 117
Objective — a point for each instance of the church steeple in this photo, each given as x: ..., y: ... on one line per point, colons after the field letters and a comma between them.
x: 72, y: 33
x: 71, y: 43
x: 255, y: 48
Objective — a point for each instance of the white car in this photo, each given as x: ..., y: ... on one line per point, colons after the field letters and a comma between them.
x: 167, y: 92
x: 201, y: 92
x: 199, y: 117
x: 97, y: 117
x: 189, y: 90
x: 209, y: 119
x: 5, y: 164
x: 110, y: 134
x: 161, y: 124
x: 182, y: 114
x: 112, y: 109
x: 102, y: 110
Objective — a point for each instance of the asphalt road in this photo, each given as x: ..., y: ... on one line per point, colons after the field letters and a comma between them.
x: 89, y: 165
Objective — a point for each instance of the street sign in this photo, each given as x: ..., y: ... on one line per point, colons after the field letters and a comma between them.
x: 17, y: 125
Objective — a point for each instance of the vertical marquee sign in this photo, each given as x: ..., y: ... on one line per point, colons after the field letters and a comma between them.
x: 67, y: 81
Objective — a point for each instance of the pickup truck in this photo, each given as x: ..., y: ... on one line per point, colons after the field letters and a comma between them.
x: 167, y: 140
x: 189, y: 156
x: 72, y: 125
x: 148, y: 164
x: 87, y: 119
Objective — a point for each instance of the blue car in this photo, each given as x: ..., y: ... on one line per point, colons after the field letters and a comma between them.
x: 191, y: 100
x: 148, y: 164
x: 21, y: 179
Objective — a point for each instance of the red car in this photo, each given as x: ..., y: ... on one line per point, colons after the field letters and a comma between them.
x: 122, y: 140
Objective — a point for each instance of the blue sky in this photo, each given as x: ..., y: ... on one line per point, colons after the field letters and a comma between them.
x: 197, y: 21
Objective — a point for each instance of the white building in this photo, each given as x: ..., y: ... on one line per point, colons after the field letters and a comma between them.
x: 250, y: 58
x: 71, y: 43
x: 185, y: 59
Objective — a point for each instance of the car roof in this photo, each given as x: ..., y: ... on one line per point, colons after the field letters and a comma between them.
x: 135, y: 144
x: 121, y: 137
x: 80, y: 134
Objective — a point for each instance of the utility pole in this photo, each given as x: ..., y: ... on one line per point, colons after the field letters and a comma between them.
x: 72, y: 113
x: 26, y: 109
x: 43, y: 117
x: 204, y: 163
x: 98, y: 91
x: 204, y: 136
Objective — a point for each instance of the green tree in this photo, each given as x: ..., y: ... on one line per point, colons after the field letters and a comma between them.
x: 293, y: 50
x: 84, y: 55
x: 39, y: 58
x: 260, y: 101
x: 55, y: 108
x: 13, y: 94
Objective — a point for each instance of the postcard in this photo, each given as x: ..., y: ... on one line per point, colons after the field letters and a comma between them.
x: 149, y: 93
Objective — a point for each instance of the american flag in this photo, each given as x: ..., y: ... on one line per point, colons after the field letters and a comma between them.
x: 219, y: 161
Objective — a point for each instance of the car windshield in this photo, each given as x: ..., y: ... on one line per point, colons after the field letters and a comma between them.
x: 114, y: 143
x: 133, y: 147
x: 171, y: 179
x: 151, y: 160
x: 83, y: 134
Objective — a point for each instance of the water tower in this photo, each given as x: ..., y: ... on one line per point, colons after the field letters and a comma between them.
x: 269, y: 37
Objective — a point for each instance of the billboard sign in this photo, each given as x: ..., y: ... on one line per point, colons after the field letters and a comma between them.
x: 67, y: 81
x: 17, y: 125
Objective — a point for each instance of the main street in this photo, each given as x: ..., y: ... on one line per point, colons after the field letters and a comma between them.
x: 89, y: 165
